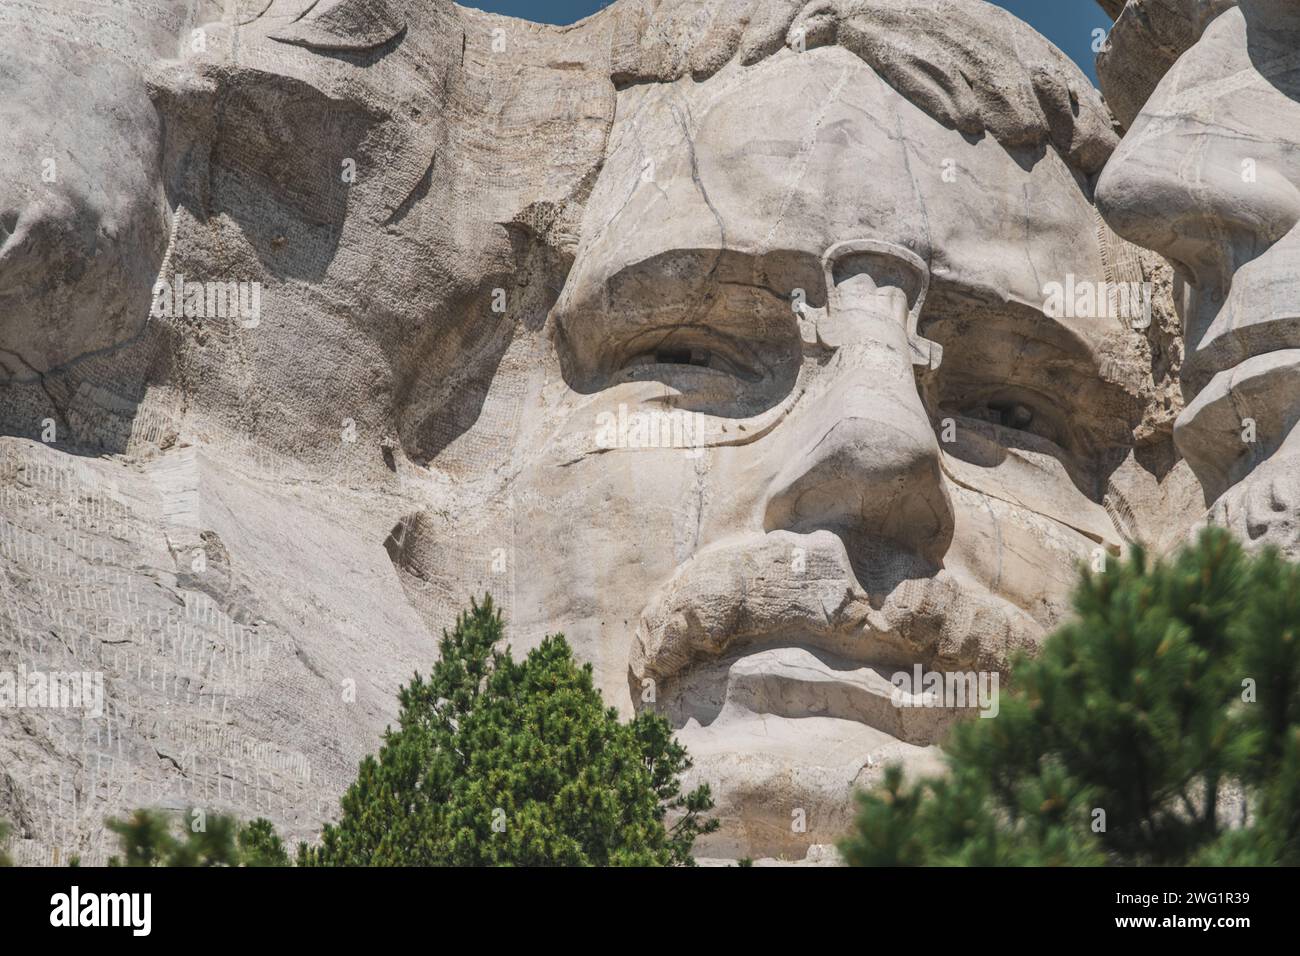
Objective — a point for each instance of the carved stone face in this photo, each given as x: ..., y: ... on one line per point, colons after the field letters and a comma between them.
x: 1209, y: 176
x: 749, y: 515
x: 82, y: 221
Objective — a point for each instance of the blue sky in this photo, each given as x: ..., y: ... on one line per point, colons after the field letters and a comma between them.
x: 1067, y: 23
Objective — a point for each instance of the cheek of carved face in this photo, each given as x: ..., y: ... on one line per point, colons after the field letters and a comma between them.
x: 82, y: 226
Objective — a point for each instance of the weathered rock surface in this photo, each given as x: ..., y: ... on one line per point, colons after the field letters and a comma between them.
x: 711, y: 333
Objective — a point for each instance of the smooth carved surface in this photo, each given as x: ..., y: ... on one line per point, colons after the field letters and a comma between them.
x: 713, y: 334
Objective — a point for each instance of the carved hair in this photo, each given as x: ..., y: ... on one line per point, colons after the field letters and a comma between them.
x: 972, y: 66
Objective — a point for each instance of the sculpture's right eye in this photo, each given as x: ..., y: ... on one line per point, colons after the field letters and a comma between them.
x: 693, y: 357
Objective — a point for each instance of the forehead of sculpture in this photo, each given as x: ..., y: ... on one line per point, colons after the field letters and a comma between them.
x: 792, y: 155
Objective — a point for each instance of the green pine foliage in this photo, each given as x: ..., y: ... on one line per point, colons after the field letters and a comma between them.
x: 260, y: 845
x: 149, y: 838
x: 498, y: 762
x: 1176, y: 684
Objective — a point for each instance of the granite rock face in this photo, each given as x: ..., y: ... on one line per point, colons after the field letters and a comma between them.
x: 1209, y: 177
x: 766, y: 349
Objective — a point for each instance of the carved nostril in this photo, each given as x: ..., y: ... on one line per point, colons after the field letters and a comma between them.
x: 8, y: 225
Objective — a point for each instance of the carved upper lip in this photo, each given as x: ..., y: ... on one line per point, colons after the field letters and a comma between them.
x: 783, y: 589
x: 1218, y: 337
x: 1242, y: 354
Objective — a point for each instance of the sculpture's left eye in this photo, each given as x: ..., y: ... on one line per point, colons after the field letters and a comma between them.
x: 1015, y: 410
x: 1013, y: 415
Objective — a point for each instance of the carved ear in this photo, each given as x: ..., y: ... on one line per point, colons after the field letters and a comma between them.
x: 347, y: 25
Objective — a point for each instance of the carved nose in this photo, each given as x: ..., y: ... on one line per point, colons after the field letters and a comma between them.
x: 1208, y: 215
x: 861, y: 454
x: 33, y: 235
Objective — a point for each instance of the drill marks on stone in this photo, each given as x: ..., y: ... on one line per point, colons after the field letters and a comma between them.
x: 177, y: 669
x: 176, y: 478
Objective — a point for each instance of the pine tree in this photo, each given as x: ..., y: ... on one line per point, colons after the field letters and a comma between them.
x: 497, y: 762
x: 148, y: 838
x: 145, y: 837
x: 260, y: 845
x: 1175, y: 685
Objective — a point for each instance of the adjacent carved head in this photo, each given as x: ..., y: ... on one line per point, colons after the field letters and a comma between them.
x: 1209, y: 176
